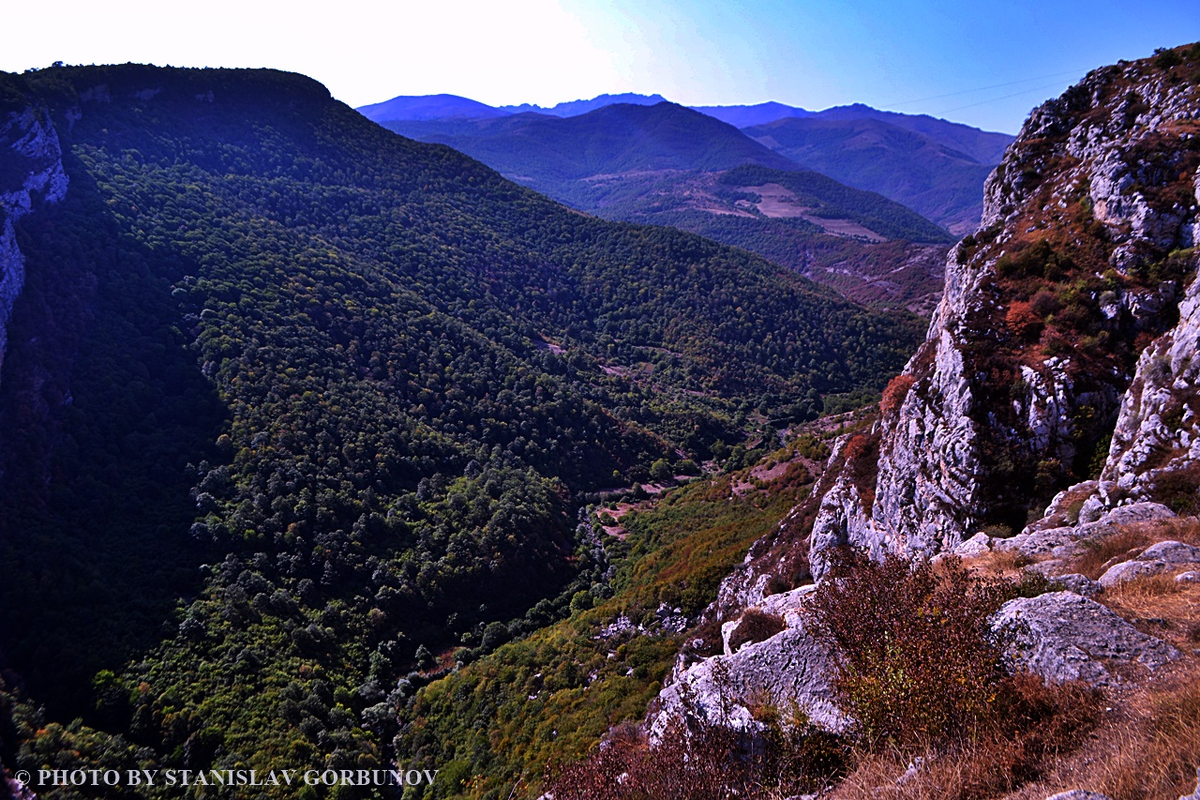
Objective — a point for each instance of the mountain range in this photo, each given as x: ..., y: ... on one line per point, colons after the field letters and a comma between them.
x: 669, y: 165
x: 326, y: 449
x: 927, y: 175
x: 573, y: 108
x: 987, y: 585
x: 933, y: 166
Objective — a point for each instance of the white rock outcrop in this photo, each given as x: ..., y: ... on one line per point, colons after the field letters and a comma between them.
x: 790, y: 670
x: 1154, y: 560
x: 988, y: 409
x: 1156, y: 429
x: 31, y: 161
x: 937, y: 474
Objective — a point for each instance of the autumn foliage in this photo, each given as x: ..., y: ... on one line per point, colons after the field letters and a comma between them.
x: 918, y: 662
x: 896, y: 391
x: 1022, y: 321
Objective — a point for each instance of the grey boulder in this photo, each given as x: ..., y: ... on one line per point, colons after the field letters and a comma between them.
x: 1062, y: 636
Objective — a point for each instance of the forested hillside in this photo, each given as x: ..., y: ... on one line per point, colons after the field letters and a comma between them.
x: 669, y: 165
x: 293, y: 407
x: 922, y: 171
x: 555, y: 153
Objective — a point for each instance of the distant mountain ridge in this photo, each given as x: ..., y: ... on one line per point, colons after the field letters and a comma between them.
x: 670, y: 165
x: 986, y: 147
x: 923, y: 172
x: 757, y: 114
x: 429, y: 107
x: 934, y: 166
x: 611, y: 139
x: 573, y: 108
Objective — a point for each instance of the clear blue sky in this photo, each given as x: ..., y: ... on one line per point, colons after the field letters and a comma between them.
x: 985, y: 64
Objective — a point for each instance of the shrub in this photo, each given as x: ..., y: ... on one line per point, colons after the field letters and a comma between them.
x: 894, y: 394
x: 1023, y: 321
x: 1177, y: 489
x: 700, y: 760
x: 917, y: 660
x: 1166, y: 59
x: 661, y: 471
x: 1044, y: 303
x: 702, y: 764
x: 921, y: 671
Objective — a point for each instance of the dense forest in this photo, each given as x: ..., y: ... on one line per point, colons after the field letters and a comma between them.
x: 668, y: 165
x: 299, y: 414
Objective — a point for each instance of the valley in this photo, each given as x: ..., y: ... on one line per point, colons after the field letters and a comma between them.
x: 664, y: 164
x: 604, y: 450
x: 283, y: 425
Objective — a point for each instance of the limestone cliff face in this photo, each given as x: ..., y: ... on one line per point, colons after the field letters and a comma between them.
x: 1156, y: 437
x: 1062, y: 358
x: 31, y: 172
x: 1078, y: 264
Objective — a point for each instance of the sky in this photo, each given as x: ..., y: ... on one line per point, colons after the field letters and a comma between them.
x: 983, y: 63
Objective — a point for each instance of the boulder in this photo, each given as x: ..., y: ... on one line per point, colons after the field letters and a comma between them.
x: 1092, y: 509
x: 791, y: 669
x: 1062, y: 636
x: 1039, y: 543
x: 977, y: 545
x: 785, y: 605
x: 1079, y: 794
x: 1137, y: 512
x: 788, y: 604
x: 1063, y: 541
x: 1154, y: 560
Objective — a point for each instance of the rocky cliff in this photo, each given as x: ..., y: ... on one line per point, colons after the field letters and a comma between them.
x: 1063, y: 315
x: 31, y: 172
x: 1054, y: 398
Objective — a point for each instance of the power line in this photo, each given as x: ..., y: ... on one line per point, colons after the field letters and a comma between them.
x: 982, y: 88
x: 998, y: 99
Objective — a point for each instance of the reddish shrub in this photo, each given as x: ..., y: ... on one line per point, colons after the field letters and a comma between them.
x: 917, y: 660
x: 894, y: 394
x: 919, y: 666
x: 858, y: 445
x: 1022, y: 320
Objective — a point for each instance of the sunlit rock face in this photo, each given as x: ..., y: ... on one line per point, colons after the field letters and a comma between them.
x: 1064, y: 312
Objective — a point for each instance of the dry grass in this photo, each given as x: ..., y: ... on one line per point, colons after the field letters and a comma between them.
x: 1007, y: 564
x: 1147, y: 742
x: 990, y: 767
x: 1102, y: 552
x: 965, y: 775
x: 1157, y: 756
x: 1183, y: 529
x: 1161, y: 607
x: 1148, y: 748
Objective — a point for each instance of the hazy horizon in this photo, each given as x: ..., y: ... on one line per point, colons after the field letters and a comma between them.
x: 981, y: 65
